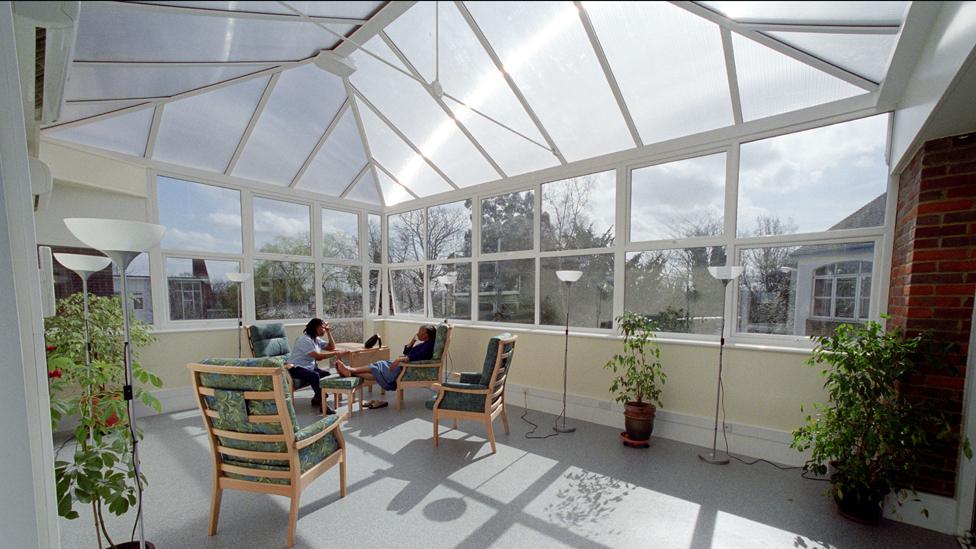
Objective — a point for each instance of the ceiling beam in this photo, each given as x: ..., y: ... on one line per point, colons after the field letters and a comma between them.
x: 153, y: 131
x: 440, y: 103
x: 170, y: 64
x: 732, y: 74
x: 371, y: 28
x: 265, y: 95
x: 821, y: 29
x: 191, y: 10
x: 362, y: 135
x: 394, y: 179
x: 483, y: 40
x: 904, y: 56
x: 776, y: 45
x: 608, y: 73
x: 355, y: 181
x: 318, y: 146
x: 403, y: 136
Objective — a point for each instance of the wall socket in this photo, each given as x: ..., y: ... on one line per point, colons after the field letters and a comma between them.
x: 727, y: 427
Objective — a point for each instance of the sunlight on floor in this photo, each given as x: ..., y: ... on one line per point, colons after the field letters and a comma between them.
x: 733, y: 532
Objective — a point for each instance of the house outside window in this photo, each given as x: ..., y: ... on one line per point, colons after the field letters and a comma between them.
x: 842, y: 291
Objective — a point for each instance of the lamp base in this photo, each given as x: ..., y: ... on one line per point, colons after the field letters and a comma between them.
x: 564, y: 429
x: 713, y: 458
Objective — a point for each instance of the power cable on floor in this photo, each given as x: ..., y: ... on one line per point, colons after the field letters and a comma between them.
x: 725, y: 436
x: 525, y: 411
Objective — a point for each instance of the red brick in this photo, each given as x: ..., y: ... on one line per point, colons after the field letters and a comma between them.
x: 928, y: 220
x: 951, y: 241
x: 932, y: 196
x: 965, y: 167
x: 954, y: 313
x: 945, y: 230
x: 926, y: 243
x: 925, y: 324
x: 946, y: 382
x: 955, y: 289
x: 926, y: 267
x: 947, y: 181
x: 954, y: 156
x: 940, y: 278
x: 930, y: 301
x: 921, y: 289
x: 951, y: 253
x: 959, y: 217
x: 945, y: 206
x: 934, y: 171
x: 965, y: 266
x: 937, y: 145
x: 919, y: 312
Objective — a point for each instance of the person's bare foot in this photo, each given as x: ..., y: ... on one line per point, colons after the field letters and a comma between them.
x: 341, y: 368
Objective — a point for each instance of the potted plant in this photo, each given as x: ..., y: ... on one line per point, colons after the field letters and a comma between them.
x: 101, y: 472
x: 639, y: 375
x: 870, y: 437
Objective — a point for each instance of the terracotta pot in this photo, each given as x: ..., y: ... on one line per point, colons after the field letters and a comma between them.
x: 639, y: 420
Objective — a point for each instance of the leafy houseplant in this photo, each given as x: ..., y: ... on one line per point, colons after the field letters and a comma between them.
x: 101, y: 473
x: 639, y: 375
x: 869, y: 434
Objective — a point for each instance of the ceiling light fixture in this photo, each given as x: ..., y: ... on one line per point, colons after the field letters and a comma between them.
x: 329, y: 61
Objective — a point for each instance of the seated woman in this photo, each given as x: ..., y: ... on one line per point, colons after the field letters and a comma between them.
x: 302, y: 363
x: 385, y: 372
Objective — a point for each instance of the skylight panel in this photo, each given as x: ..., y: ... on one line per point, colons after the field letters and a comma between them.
x: 121, y: 33
x: 544, y: 48
x: 414, y: 34
x: 389, y: 150
x: 772, y: 83
x: 663, y: 56
x: 866, y: 55
x: 203, y: 131
x: 393, y: 194
x: 353, y: 10
x: 255, y: 7
x: 338, y: 161
x: 133, y: 82
x: 125, y: 133
x: 303, y: 103
x: 838, y: 13
x: 77, y: 111
x: 365, y: 190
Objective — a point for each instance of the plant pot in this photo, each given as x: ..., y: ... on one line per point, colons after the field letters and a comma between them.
x: 863, y: 506
x: 639, y: 420
x: 133, y: 545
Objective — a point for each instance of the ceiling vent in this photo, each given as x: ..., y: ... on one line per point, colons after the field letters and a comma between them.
x: 327, y: 60
x: 57, y: 46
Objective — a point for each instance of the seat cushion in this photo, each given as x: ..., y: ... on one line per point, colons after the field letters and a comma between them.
x: 341, y: 382
x: 422, y: 374
x: 462, y: 402
x: 269, y: 340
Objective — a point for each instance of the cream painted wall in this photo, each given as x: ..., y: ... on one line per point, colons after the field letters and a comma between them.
x: 763, y: 388
x: 74, y: 200
x: 73, y: 166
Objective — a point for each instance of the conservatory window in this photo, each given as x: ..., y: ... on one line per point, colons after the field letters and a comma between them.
x: 450, y: 290
x: 199, y: 217
x: 340, y: 234
x: 506, y: 291
x: 281, y: 227
x: 408, y: 291
x: 591, y: 297
x: 449, y: 230
x: 507, y: 222
x: 200, y: 290
x: 284, y: 290
x: 842, y: 290
x: 682, y: 199
x: 406, y: 237
x: 577, y: 213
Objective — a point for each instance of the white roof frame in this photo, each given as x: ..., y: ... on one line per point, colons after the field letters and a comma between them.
x: 265, y: 95
x: 318, y: 145
x: 231, y: 13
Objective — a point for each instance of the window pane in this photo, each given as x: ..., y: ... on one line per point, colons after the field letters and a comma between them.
x: 348, y: 330
x: 406, y: 236
x: 577, y: 213
x: 374, y: 291
x: 284, y: 289
x: 199, y: 289
x: 137, y: 286
x: 199, y: 217
x: 680, y: 199
x: 846, y: 287
x: 822, y: 179
x: 865, y: 298
x: 340, y: 234
x: 777, y: 285
x: 450, y: 290
x: 590, y: 298
x: 675, y: 289
x: 342, y: 291
x: 408, y: 291
x: 374, y: 249
x: 507, y: 222
x: 822, y: 287
x: 281, y: 227
x: 449, y: 230
x: 506, y: 291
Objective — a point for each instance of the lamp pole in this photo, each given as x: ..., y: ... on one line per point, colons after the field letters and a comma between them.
x: 239, y: 279
x: 725, y: 275
x: 567, y: 277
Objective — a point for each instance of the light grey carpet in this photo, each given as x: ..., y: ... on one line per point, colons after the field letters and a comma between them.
x: 575, y: 490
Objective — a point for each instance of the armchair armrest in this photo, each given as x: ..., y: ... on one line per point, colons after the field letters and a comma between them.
x: 309, y: 435
x: 470, y: 388
x: 422, y: 364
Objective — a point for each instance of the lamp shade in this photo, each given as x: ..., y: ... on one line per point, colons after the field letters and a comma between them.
x: 83, y: 264
x: 115, y: 235
x: 239, y: 277
x: 727, y: 272
x: 569, y: 276
x: 447, y: 279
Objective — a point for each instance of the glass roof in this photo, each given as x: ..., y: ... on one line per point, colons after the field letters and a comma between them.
x: 447, y: 95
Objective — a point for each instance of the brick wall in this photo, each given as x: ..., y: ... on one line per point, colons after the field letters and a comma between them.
x: 933, y: 279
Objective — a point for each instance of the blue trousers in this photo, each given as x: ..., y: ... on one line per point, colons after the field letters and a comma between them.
x: 309, y: 377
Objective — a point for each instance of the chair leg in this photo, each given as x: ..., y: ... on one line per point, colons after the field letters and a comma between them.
x: 218, y: 494
x: 399, y: 398
x: 350, y: 398
x: 505, y: 419
x: 436, y: 428
x: 454, y: 424
x: 342, y: 474
x: 293, y: 517
x: 335, y: 397
x: 491, y: 434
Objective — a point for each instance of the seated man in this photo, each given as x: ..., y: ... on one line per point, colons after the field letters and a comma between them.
x: 302, y: 363
x: 385, y: 372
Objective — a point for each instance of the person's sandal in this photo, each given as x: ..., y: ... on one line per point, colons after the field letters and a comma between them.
x: 374, y: 404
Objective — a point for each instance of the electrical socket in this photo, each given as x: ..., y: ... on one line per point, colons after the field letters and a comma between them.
x: 727, y: 427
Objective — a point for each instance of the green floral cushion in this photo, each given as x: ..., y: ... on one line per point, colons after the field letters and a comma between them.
x: 247, y: 383
x: 470, y: 377
x: 464, y: 402
x: 422, y: 374
x: 439, y: 341
x: 341, y: 382
x: 269, y: 340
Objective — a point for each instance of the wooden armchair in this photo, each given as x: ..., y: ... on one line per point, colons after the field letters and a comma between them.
x: 426, y: 373
x: 256, y: 442
x: 478, y: 395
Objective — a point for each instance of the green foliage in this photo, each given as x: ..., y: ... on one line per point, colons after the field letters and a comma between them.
x: 673, y: 319
x: 101, y: 472
x: 869, y: 433
x: 640, y: 376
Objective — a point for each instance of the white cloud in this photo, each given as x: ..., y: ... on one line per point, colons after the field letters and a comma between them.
x: 191, y: 240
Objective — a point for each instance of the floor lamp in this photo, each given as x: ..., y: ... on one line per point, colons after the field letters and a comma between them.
x: 725, y: 274
x: 122, y: 241
x: 447, y: 280
x: 84, y: 266
x: 239, y: 279
x: 567, y: 277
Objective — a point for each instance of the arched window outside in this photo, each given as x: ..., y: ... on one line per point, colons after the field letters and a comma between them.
x: 842, y: 290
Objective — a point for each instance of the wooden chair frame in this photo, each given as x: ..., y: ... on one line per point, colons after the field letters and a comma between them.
x: 298, y: 481
x: 401, y: 384
x: 494, y: 397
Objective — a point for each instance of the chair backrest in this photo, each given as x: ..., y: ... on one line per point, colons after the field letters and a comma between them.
x: 268, y: 340
x: 442, y: 341
x: 241, y: 400
x: 501, y: 350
